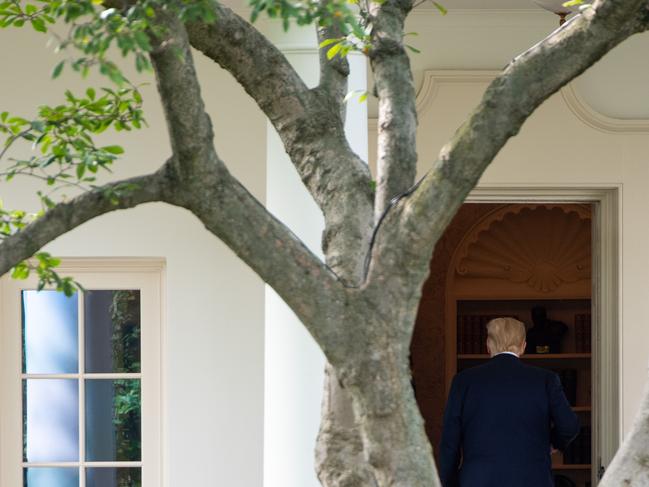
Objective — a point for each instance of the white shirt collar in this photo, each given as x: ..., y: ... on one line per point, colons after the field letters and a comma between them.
x: 510, y: 353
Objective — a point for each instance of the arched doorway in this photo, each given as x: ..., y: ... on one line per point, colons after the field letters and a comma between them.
x: 501, y: 259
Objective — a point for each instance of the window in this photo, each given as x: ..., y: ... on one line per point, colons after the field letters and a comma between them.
x: 80, y: 398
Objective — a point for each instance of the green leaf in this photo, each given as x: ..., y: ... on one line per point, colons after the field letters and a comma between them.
x: 441, y: 8
x: 334, y: 50
x: 349, y: 95
x: 21, y: 271
x: 413, y: 49
x: 113, y: 149
x: 57, y: 70
x: 142, y: 40
x: 572, y: 3
x: 81, y: 169
x: 39, y: 25
x: 327, y: 42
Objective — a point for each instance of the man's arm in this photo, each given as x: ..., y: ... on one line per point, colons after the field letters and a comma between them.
x: 450, y: 445
x: 565, y: 423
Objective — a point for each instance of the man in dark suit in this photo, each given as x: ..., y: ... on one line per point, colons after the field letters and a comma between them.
x: 503, y: 418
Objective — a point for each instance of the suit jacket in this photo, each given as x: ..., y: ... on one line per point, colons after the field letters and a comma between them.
x: 500, y: 420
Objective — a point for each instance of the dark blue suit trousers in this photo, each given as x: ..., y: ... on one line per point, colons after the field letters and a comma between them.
x: 500, y: 420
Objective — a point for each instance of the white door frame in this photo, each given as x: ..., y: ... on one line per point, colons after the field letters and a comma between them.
x: 606, y: 234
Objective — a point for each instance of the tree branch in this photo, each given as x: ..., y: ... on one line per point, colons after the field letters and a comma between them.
x: 189, y: 126
x: 309, y: 125
x: 199, y: 181
x: 397, y: 122
x: 333, y: 72
x: 68, y: 215
x: 264, y: 243
x: 408, y: 234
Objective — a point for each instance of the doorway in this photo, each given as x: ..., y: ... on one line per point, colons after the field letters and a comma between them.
x: 502, y: 256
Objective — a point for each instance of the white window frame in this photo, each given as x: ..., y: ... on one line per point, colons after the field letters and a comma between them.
x: 145, y: 274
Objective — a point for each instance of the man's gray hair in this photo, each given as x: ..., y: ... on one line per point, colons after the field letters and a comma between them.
x: 505, y: 335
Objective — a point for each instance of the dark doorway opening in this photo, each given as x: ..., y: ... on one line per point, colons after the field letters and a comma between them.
x: 504, y: 259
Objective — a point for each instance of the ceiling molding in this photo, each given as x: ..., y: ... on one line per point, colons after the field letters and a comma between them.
x: 597, y: 120
x: 434, y: 78
x: 584, y: 112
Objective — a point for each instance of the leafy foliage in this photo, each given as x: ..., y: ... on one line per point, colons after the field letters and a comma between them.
x: 46, y: 275
x: 94, y: 29
x: 62, y: 136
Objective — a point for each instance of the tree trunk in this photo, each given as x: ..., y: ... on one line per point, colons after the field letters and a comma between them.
x: 340, y: 459
x: 630, y: 466
x: 393, y: 433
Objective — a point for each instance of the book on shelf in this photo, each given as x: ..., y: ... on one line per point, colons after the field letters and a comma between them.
x: 578, y: 452
x: 472, y: 333
x: 582, y: 332
x: 568, y: 379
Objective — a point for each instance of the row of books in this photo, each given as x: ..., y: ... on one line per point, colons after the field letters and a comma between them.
x: 569, y: 382
x: 579, y: 451
x: 582, y: 332
x: 472, y: 333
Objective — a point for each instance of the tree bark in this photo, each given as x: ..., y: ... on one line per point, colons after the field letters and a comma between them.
x: 630, y: 466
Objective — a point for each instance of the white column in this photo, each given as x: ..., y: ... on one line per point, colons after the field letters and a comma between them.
x: 293, y: 362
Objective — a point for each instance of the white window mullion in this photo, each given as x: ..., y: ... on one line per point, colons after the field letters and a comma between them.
x: 82, y: 392
x: 101, y: 375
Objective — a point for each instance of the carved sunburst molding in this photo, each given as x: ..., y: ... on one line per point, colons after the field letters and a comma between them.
x: 539, y: 245
x: 433, y: 79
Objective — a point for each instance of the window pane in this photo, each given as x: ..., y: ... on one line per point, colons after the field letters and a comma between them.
x: 50, y: 342
x: 113, y: 477
x: 52, y: 477
x: 112, y: 327
x: 112, y: 420
x: 51, y: 420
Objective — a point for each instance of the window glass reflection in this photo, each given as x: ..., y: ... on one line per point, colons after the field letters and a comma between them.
x: 50, y: 341
x: 113, y: 477
x: 51, y: 420
x: 51, y: 477
x: 113, y: 420
x: 112, y: 320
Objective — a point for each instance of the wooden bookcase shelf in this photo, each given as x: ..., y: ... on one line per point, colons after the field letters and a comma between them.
x: 544, y: 356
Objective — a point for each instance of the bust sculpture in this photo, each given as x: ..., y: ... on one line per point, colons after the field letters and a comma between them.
x: 546, y: 334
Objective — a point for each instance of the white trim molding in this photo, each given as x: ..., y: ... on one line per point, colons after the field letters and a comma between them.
x: 584, y: 112
x: 599, y: 121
